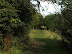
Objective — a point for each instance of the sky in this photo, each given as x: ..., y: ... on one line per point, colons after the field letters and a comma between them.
x: 47, y: 7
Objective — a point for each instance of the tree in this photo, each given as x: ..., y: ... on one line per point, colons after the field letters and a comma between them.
x: 52, y: 22
x: 37, y: 21
x: 15, y: 19
x: 66, y: 30
x: 65, y: 22
x: 25, y: 13
x: 8, y: 19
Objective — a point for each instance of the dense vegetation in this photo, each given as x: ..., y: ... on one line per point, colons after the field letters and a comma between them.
x: 62, y: 24
x: 18, y: 17
x: 15, y: 20
x: 37, y: 21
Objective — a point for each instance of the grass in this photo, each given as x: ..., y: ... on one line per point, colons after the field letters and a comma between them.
x: 41, y: 42
x: 13, y: 50
x: 46, y: 42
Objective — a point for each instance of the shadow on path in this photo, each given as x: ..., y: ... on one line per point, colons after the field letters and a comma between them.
x: 48, y: 46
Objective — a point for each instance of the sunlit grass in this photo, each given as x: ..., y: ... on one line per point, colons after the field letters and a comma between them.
x: 51, y: 42
x: 44, y: 34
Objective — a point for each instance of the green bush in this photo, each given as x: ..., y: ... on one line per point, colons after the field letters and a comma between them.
x: 52, y: 22
x: 15, y: 19
x: 67, y: 28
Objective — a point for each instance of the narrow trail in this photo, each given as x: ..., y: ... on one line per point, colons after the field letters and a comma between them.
x: 46, y: 42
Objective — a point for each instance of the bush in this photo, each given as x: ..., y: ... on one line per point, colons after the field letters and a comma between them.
x: 15, y: 19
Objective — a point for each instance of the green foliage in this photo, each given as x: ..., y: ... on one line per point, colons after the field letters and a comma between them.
x: 62, y: 23
x: 25, y: 13
x: 67, y: 28
x: 7, y: 13
x: 15, y: 18
x: 25, y: 10
x: 8, y: 20
x: 37, y: 20
x: 52, y: 22
x: 1, y: 40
